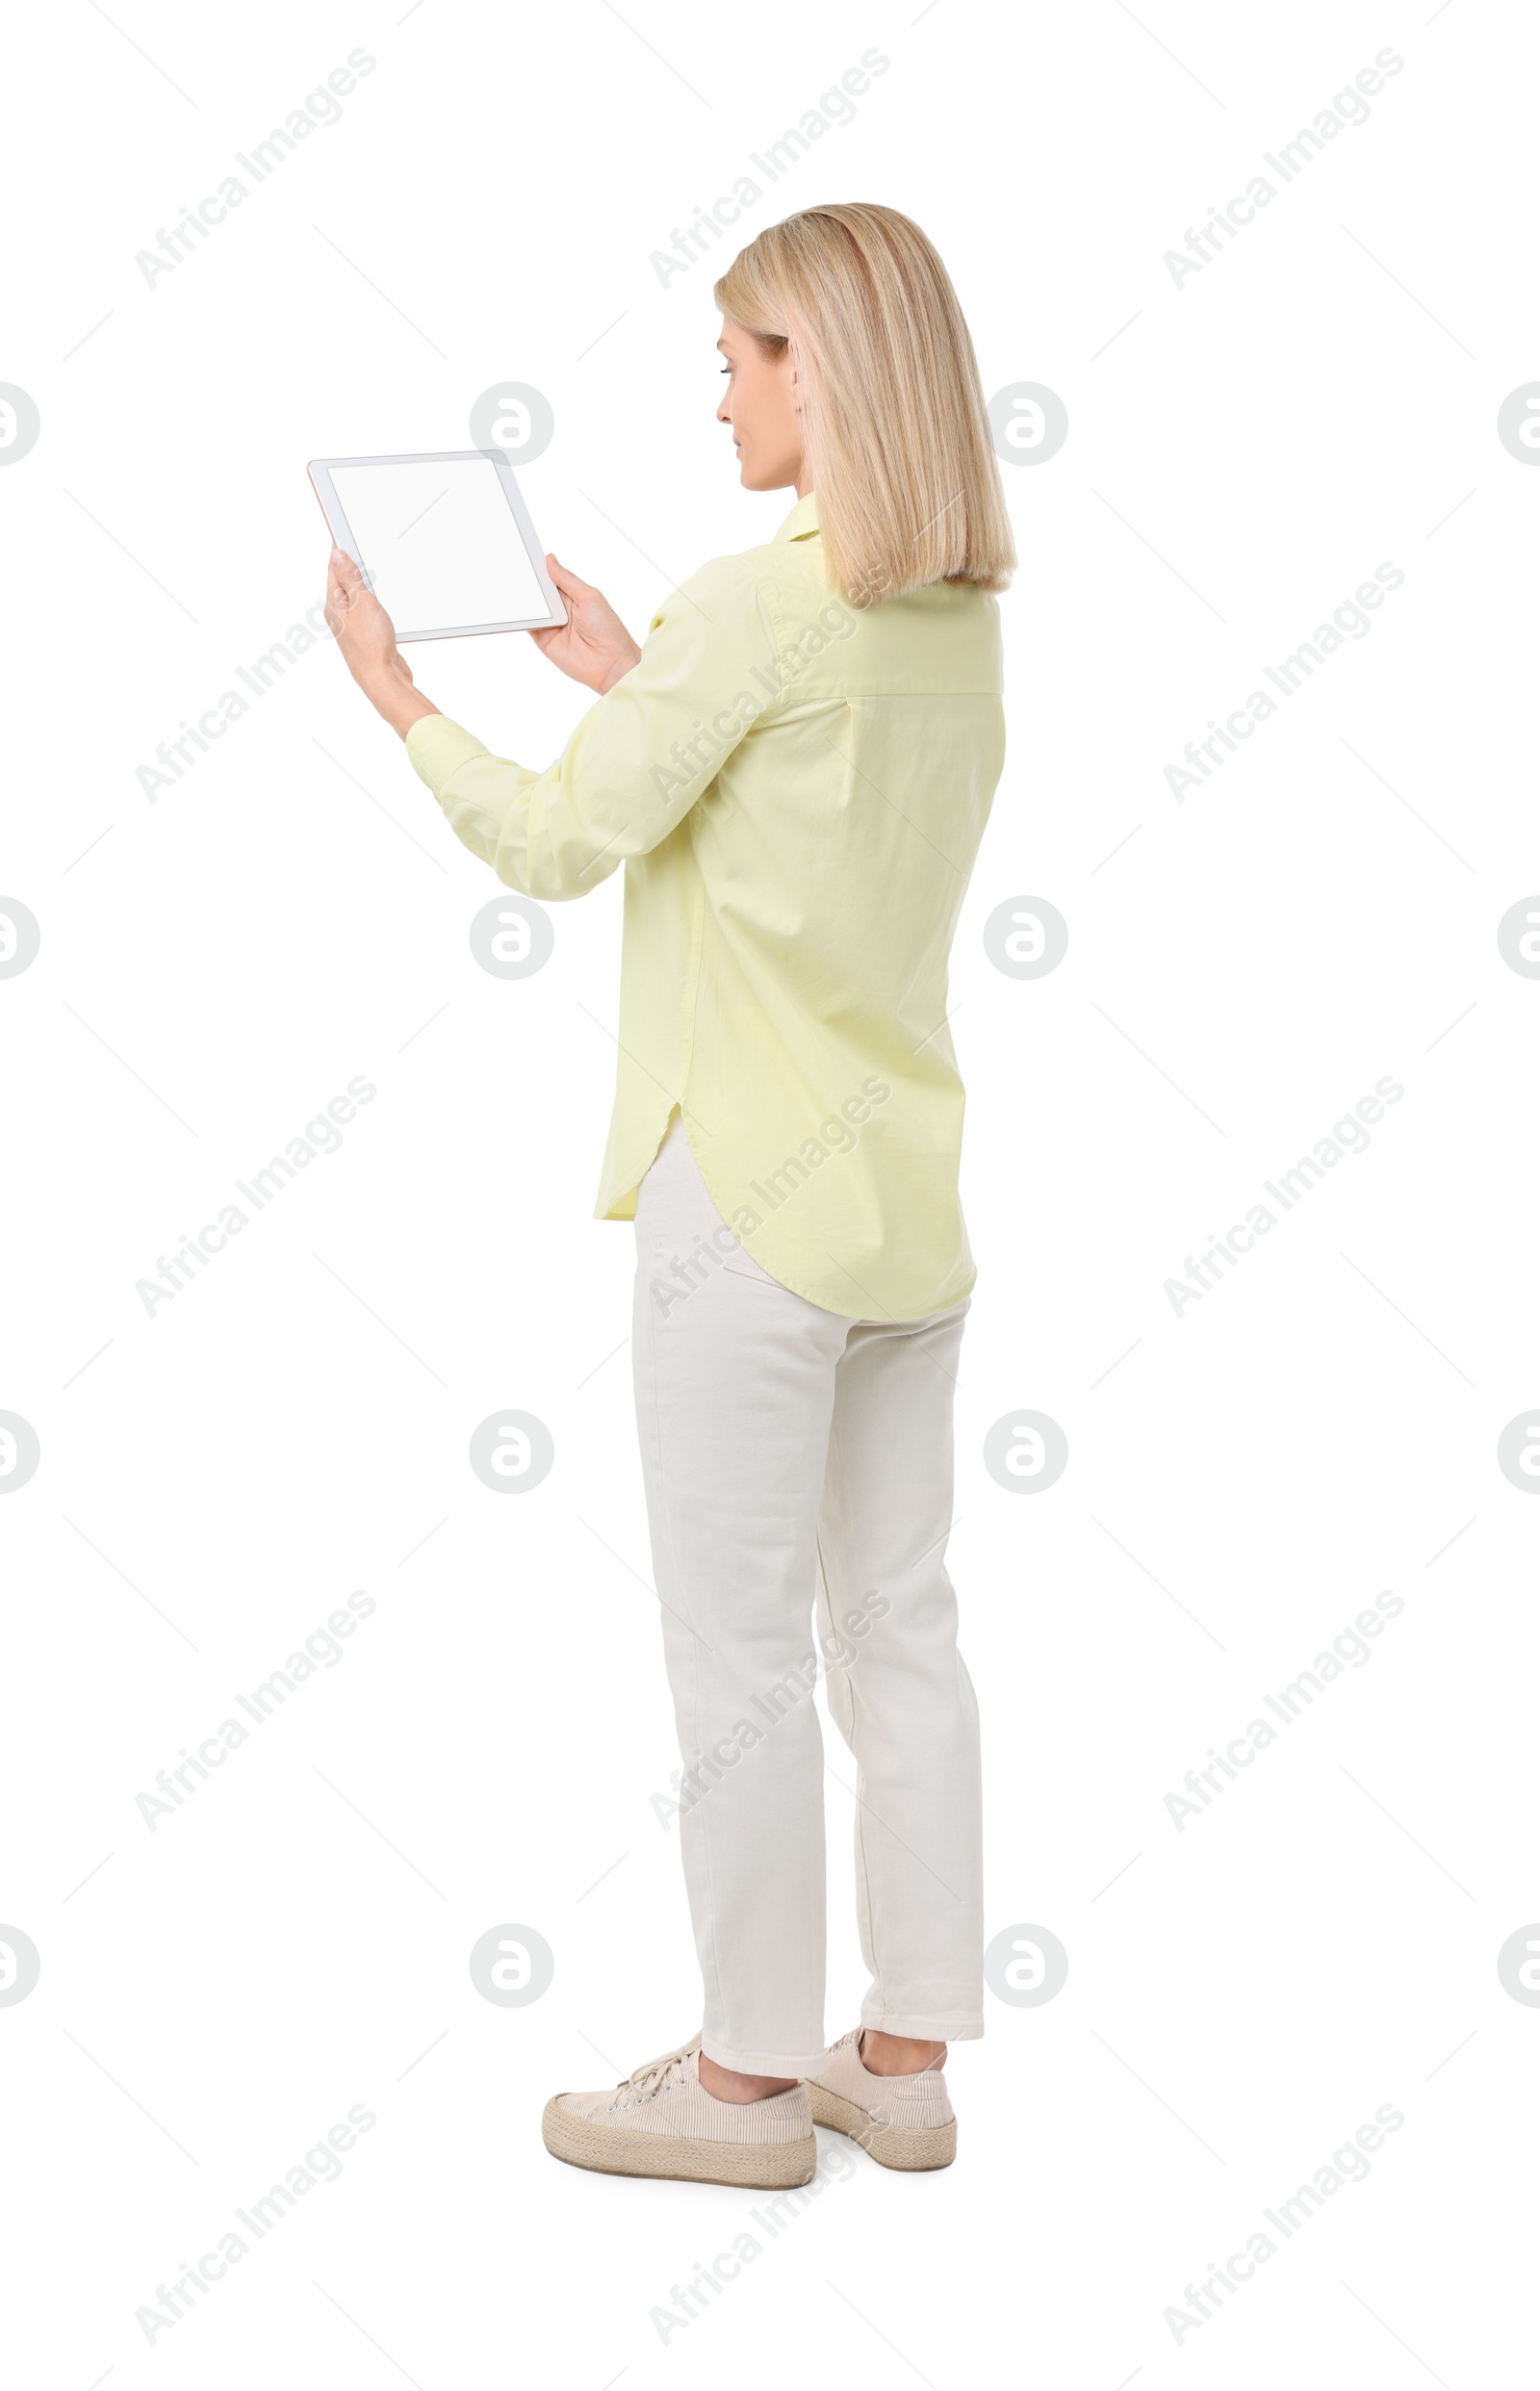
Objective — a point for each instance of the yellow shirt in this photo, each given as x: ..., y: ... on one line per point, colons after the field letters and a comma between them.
x: 797, y: 790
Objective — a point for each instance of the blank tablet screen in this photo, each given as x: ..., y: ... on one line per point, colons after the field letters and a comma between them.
x: 439, y: 544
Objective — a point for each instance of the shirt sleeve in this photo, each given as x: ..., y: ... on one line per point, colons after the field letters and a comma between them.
x: 637, y: 761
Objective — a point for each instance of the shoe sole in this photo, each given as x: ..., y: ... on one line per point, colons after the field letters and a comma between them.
x: 622, y: 2151
x: 914, y: 2148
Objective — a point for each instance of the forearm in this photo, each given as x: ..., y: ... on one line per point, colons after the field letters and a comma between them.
x: 390, y: 690
x: 521, y: 822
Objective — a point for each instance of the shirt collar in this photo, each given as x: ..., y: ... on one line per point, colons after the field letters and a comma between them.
x: 803, y: 521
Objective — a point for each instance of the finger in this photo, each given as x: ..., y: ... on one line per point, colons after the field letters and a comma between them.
x: 567, y: 582
x: 346, y: 571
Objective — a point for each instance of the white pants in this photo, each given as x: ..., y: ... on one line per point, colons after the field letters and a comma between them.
x: 789, y: 1452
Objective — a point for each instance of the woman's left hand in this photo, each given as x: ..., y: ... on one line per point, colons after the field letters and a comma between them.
x: 366, y: 636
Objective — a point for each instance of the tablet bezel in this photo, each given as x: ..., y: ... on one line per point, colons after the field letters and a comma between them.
x: 320, y: 470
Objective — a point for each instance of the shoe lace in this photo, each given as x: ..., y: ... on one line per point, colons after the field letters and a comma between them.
x: 646, y: 2082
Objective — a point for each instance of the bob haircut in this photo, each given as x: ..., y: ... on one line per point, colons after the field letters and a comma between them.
x: 894, y: 416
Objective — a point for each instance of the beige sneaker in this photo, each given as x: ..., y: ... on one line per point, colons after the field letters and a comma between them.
x: 901, y: 2120
x: 662, y: 2122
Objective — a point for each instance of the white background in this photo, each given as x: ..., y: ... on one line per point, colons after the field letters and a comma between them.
x: 292, y: 911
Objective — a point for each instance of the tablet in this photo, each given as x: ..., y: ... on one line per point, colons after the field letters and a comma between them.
x: 444, y: 540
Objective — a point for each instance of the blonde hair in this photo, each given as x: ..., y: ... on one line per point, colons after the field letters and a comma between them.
x: 894, y: 428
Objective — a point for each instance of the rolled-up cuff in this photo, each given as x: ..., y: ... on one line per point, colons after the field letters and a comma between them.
x: 793, y: 2063
x: 915, y: 2026
x: 436, y: 747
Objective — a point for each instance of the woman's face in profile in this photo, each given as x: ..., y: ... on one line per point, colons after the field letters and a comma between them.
x: 762, y: 404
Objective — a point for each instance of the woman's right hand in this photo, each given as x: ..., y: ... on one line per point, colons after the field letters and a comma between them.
x: 592, y: 645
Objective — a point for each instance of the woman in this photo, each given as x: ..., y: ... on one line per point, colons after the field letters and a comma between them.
x: 796, y: 771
